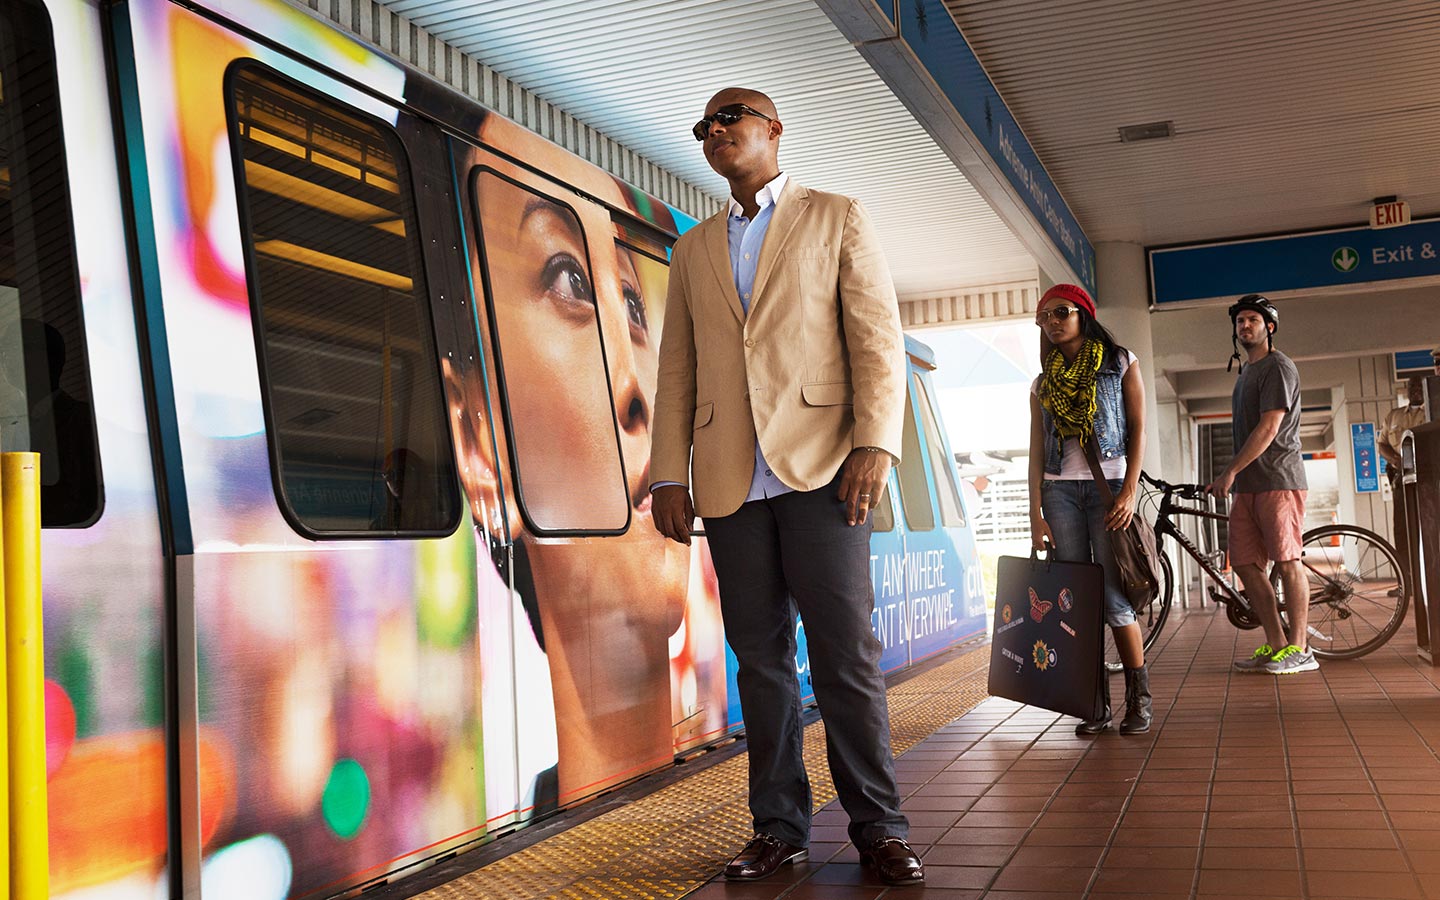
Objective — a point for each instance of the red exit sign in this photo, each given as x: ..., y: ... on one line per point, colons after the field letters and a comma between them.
x: 1390, y: 214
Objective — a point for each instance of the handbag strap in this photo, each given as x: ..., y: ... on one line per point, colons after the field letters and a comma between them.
x: 1092, y: 456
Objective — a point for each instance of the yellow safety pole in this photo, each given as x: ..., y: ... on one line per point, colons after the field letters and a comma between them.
x: 5, y: 876
x: 25, y: 676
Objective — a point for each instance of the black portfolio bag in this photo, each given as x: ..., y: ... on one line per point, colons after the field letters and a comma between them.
x: 1049, y: 639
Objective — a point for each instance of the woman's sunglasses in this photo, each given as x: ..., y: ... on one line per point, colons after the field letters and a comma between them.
x: 1058, y: 313
x: 727, y: 116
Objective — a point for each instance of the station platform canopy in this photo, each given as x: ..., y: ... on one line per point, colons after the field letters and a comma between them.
x: 1206, y: 151
x: 642, y: 72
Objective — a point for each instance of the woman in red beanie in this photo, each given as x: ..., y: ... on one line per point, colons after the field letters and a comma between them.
x: 1089, y: 387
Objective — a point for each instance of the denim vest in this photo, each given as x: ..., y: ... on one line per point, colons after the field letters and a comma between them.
x: 1109, y: 414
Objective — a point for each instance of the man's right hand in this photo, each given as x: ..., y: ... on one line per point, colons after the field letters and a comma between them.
x: 672, y: 512
x: 1220, y: 487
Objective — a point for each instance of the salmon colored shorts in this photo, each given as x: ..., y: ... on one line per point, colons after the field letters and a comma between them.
x: 1266, y: 527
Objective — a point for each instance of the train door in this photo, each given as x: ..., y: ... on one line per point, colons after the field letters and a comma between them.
x: 71, y: 389
x: 922, y: 559
x: 327, y: 655
x: 573, y: 309
x: 942, y: 566
x: 890, y: 620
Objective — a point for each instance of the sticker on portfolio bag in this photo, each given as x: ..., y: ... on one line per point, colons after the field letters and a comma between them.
x: 1051, y: 656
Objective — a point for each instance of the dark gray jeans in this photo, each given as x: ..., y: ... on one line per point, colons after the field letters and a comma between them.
x: 772, y: 557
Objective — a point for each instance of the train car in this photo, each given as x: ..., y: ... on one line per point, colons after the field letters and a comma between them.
x: 923, y: 561
x: 341, y: 385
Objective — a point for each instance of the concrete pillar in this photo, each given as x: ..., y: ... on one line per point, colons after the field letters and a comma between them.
x: 1176, y: 465
x: 1123, y: 306
x: 1340, y: 426
x: 1367, y: 395
x: 1173, y: 426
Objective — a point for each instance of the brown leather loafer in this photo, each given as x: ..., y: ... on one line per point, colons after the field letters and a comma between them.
x: 894, y: 861
x: 762, y: 857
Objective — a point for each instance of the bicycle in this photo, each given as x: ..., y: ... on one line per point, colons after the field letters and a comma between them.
x: 1358, y: 590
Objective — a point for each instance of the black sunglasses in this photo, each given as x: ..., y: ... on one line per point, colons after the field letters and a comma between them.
x: 727, y: 116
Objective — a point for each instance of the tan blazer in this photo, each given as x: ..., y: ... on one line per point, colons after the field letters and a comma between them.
x: 816, y: 369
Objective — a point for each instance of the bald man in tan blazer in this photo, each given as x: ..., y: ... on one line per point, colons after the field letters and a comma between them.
x: 780, y: 401
x: 813, y: 371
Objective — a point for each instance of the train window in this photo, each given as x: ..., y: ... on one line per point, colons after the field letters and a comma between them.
x: 349, y: 370
x: 914, y: 490
x: 643, y: 254
x: 949, y: 493
x: 545, y: 314
x: 45, y: 404
x: 643, y: 283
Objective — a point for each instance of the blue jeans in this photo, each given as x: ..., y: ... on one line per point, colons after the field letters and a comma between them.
x: 1075, y: 513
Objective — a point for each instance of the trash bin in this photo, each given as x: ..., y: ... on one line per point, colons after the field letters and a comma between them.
x: 1420, y: 467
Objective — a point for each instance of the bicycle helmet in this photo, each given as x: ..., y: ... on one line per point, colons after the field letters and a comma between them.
x: 1255, y: 303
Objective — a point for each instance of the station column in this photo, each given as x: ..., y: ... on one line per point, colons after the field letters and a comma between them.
x: 1123, y: 304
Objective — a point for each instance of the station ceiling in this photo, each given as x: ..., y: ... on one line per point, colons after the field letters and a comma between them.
x: 1288, y: 115
x: 642, y: 70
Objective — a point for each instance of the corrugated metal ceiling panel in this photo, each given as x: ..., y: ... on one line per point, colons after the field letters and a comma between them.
x: 1289, y: 114
x: 642, y: 70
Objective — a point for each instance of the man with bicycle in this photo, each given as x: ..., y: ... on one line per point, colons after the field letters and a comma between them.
x: 1267, y: 478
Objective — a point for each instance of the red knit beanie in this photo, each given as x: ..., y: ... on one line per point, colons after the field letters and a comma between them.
x: 1072, y: 292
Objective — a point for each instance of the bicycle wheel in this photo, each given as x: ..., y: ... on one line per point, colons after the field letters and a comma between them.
x: 1358, y: 592
x: 1151, y: 619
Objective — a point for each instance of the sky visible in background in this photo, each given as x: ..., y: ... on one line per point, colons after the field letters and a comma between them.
x: 983, y: 383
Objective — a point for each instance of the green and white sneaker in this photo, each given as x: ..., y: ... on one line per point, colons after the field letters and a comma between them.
x: 1291, y: 659
x: 1257, y: 661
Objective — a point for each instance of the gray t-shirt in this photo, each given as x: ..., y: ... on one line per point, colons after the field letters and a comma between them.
x: 1271, y: 383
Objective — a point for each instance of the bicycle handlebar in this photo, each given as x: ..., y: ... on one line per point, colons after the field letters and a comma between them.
x: 1187, y: 491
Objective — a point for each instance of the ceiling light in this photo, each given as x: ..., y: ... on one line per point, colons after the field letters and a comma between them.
x: 1150, y: 131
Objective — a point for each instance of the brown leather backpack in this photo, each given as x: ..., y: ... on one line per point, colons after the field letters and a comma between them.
x: 1136, y: 554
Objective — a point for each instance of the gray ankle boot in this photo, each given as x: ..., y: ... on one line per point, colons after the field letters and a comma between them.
x: 1137, y: 702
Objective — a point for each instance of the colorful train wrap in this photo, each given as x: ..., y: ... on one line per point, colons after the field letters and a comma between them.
x: 342, y: 388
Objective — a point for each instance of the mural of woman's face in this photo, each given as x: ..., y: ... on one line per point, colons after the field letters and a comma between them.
x: 635, y: 356
x: 549, y: 285
x: 545, y: 308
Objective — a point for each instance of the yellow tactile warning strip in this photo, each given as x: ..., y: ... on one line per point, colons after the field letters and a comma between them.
x: 673, y: 841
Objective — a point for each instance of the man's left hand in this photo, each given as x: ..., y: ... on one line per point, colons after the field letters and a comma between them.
x: 862, y: 479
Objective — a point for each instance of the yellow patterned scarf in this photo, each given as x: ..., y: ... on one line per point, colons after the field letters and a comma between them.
x: 1067, y: 390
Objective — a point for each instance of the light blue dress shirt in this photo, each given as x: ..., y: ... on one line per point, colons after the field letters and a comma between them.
x: 747, y: 236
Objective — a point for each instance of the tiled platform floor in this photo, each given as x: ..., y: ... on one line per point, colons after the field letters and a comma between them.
x: 1320, y: 785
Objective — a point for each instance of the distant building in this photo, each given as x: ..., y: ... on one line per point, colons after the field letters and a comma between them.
x: 1000, y: 481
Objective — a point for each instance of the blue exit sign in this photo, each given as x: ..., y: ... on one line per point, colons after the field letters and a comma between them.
x: 1273, y: 265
